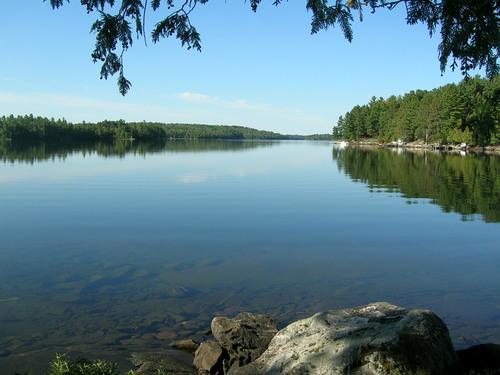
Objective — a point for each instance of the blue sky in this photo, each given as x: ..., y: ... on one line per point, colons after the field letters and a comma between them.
x: 263, y: 70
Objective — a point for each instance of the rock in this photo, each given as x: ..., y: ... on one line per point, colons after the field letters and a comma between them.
x: 244, y: 337
x: 188, y: 345
x: 209, y: 358
x: 481, y: 359
x: 165, y: 335
x: 168, y: 362
x: 376, y: 339
x: 180, y: 292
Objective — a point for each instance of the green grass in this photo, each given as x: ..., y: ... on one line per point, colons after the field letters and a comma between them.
x: 61, y: 365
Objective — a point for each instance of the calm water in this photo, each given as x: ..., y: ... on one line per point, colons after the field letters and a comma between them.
x: 124, y: 249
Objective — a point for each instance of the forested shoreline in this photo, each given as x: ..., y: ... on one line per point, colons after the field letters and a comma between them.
x: 40, y: 129
x: 467, y: 112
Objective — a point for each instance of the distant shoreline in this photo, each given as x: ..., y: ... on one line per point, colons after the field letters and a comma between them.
x: 23, y: 129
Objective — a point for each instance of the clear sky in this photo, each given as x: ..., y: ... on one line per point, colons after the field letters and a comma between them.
x: 262, y: 70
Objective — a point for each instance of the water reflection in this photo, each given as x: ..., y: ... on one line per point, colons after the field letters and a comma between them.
x: 468, y: 185
x: 104, y: 251
x: 36, y: 152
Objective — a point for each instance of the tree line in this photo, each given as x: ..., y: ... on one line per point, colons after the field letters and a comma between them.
x: 465, y: 112
x: 40, y: 129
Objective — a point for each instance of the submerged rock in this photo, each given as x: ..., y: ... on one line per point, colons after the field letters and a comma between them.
x: 376, y: 339
x: 244, y: 337
x: 168, y: 362
x: 180, y: 292
x: 481, y: 359
x: 209, y: 358
x: 187, y: 345
x: 165, y: 335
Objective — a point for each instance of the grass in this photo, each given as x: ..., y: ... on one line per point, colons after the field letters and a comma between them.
x: 61, y: 365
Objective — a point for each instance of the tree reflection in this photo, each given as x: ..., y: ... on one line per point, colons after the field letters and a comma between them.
x: 42, y: 151
x: 469, y: 185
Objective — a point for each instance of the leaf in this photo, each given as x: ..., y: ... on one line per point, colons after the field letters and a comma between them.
x: 124, y: 84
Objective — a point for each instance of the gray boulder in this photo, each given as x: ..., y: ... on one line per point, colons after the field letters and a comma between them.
x: 244, y: 337
x: 376, y: 339
x: 209, y: 358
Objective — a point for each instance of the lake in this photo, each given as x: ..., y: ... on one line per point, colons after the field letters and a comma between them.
x: 106, y: 250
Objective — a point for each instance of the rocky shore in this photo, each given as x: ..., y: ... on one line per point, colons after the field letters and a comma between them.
x: 376, y: 339
x: 419, y: 145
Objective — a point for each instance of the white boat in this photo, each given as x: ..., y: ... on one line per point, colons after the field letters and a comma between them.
x: 343, y: 144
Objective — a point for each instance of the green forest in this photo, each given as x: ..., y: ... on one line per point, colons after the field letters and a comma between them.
x: 40, y: 129
x: 466, y: 112
x: 29, y: 139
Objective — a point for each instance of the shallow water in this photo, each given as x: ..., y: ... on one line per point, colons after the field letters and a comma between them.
x: 115, y: 250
